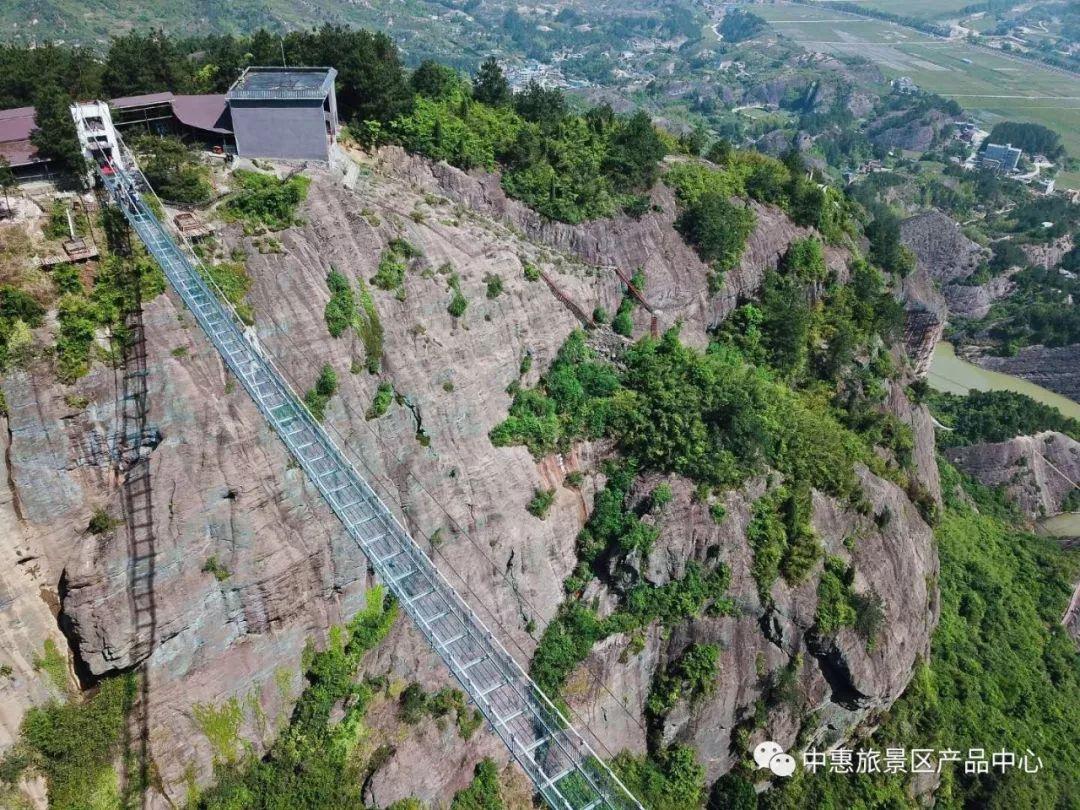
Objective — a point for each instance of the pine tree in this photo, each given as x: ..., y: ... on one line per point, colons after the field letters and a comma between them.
x: 55, y: 136
x: 490, y: 85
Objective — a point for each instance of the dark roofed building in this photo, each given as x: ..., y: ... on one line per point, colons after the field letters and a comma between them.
x: 205, y: 118
x: 285, y: 113
x: 15, y: 128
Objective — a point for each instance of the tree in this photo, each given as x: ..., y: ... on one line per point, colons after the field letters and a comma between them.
x: 1034, y: 139
x: 433, y: 80
x: 716, y: 227
x: 173, y: 170
x: 720, y: 152
x: 143, y: 63
x: 739, y: 25
x: 545, y: 106
x: 633, y: 152
x: 371, y: 84
x: 7, y: 180
x: 786, y: 322
x: 733, y: 792
x: 55, y: 136
x: 490, y: 85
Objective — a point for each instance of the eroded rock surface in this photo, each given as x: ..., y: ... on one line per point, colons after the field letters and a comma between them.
x: 841, y: 678
x: 1038, y: 472
x: 945, y: 258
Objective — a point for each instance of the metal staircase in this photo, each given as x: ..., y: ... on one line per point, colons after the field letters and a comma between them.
x: 560, y: 763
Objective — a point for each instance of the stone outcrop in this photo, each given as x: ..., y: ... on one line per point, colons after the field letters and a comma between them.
x: 974, y: 300
x: 1038, y: 472
x: 923, y: 329
x: 897, y: 132
x: 1049, y: 255
x: 942, y: 251
x: 841, y: 679
x: 675, y: 275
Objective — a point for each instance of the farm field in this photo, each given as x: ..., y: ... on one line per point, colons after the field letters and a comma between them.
x: 923, y: 9
x: 991, y: 86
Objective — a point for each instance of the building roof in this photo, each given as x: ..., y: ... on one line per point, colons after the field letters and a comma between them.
x: 209, y: 113
x: 19, y: 153
x: 16, y: 124
x: 144, y: 100
x: 269, y: 83
x: 15, y: 128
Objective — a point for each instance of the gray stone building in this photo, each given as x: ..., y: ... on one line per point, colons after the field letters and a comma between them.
x: 284, y: 113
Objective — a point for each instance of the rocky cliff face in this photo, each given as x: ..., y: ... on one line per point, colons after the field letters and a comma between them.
x: 222, y: 488
x: 1038, y: 472
x: 676, y: 285
x: 838, y: 682
x: 945, y: 258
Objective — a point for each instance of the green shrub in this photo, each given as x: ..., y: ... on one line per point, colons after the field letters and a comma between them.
x: 413, y: 703
x: 483, y: 793
x: 416, y: 704
x: 391, y: 272
x: 263, y: 201
x: 380, y: 404
x: 370, y: 329
x: 781, y: 538
x: 570, y: 402
x: 541, y: 503
x: 494, y: 285
x: 576, y: 628
x: 173, y: 169
x: 310, y: 764
x: 340, y: 310
x: 74, y: 745
x: 101, y: 522
x: 623, y: 322
x: 671, y: 779
x: 318, y: 397
x: 221, y: 727
x: 458, y: 302
x: 457, y: 305
x: 54, y: 664
x: 531, y: 271
x: 835, y: 609
x: 661, y: 496
x: 692, y: 675
x: 118, y: 283
x: 717, y: 228
x: 234, y: 283
x: 214, y: 566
